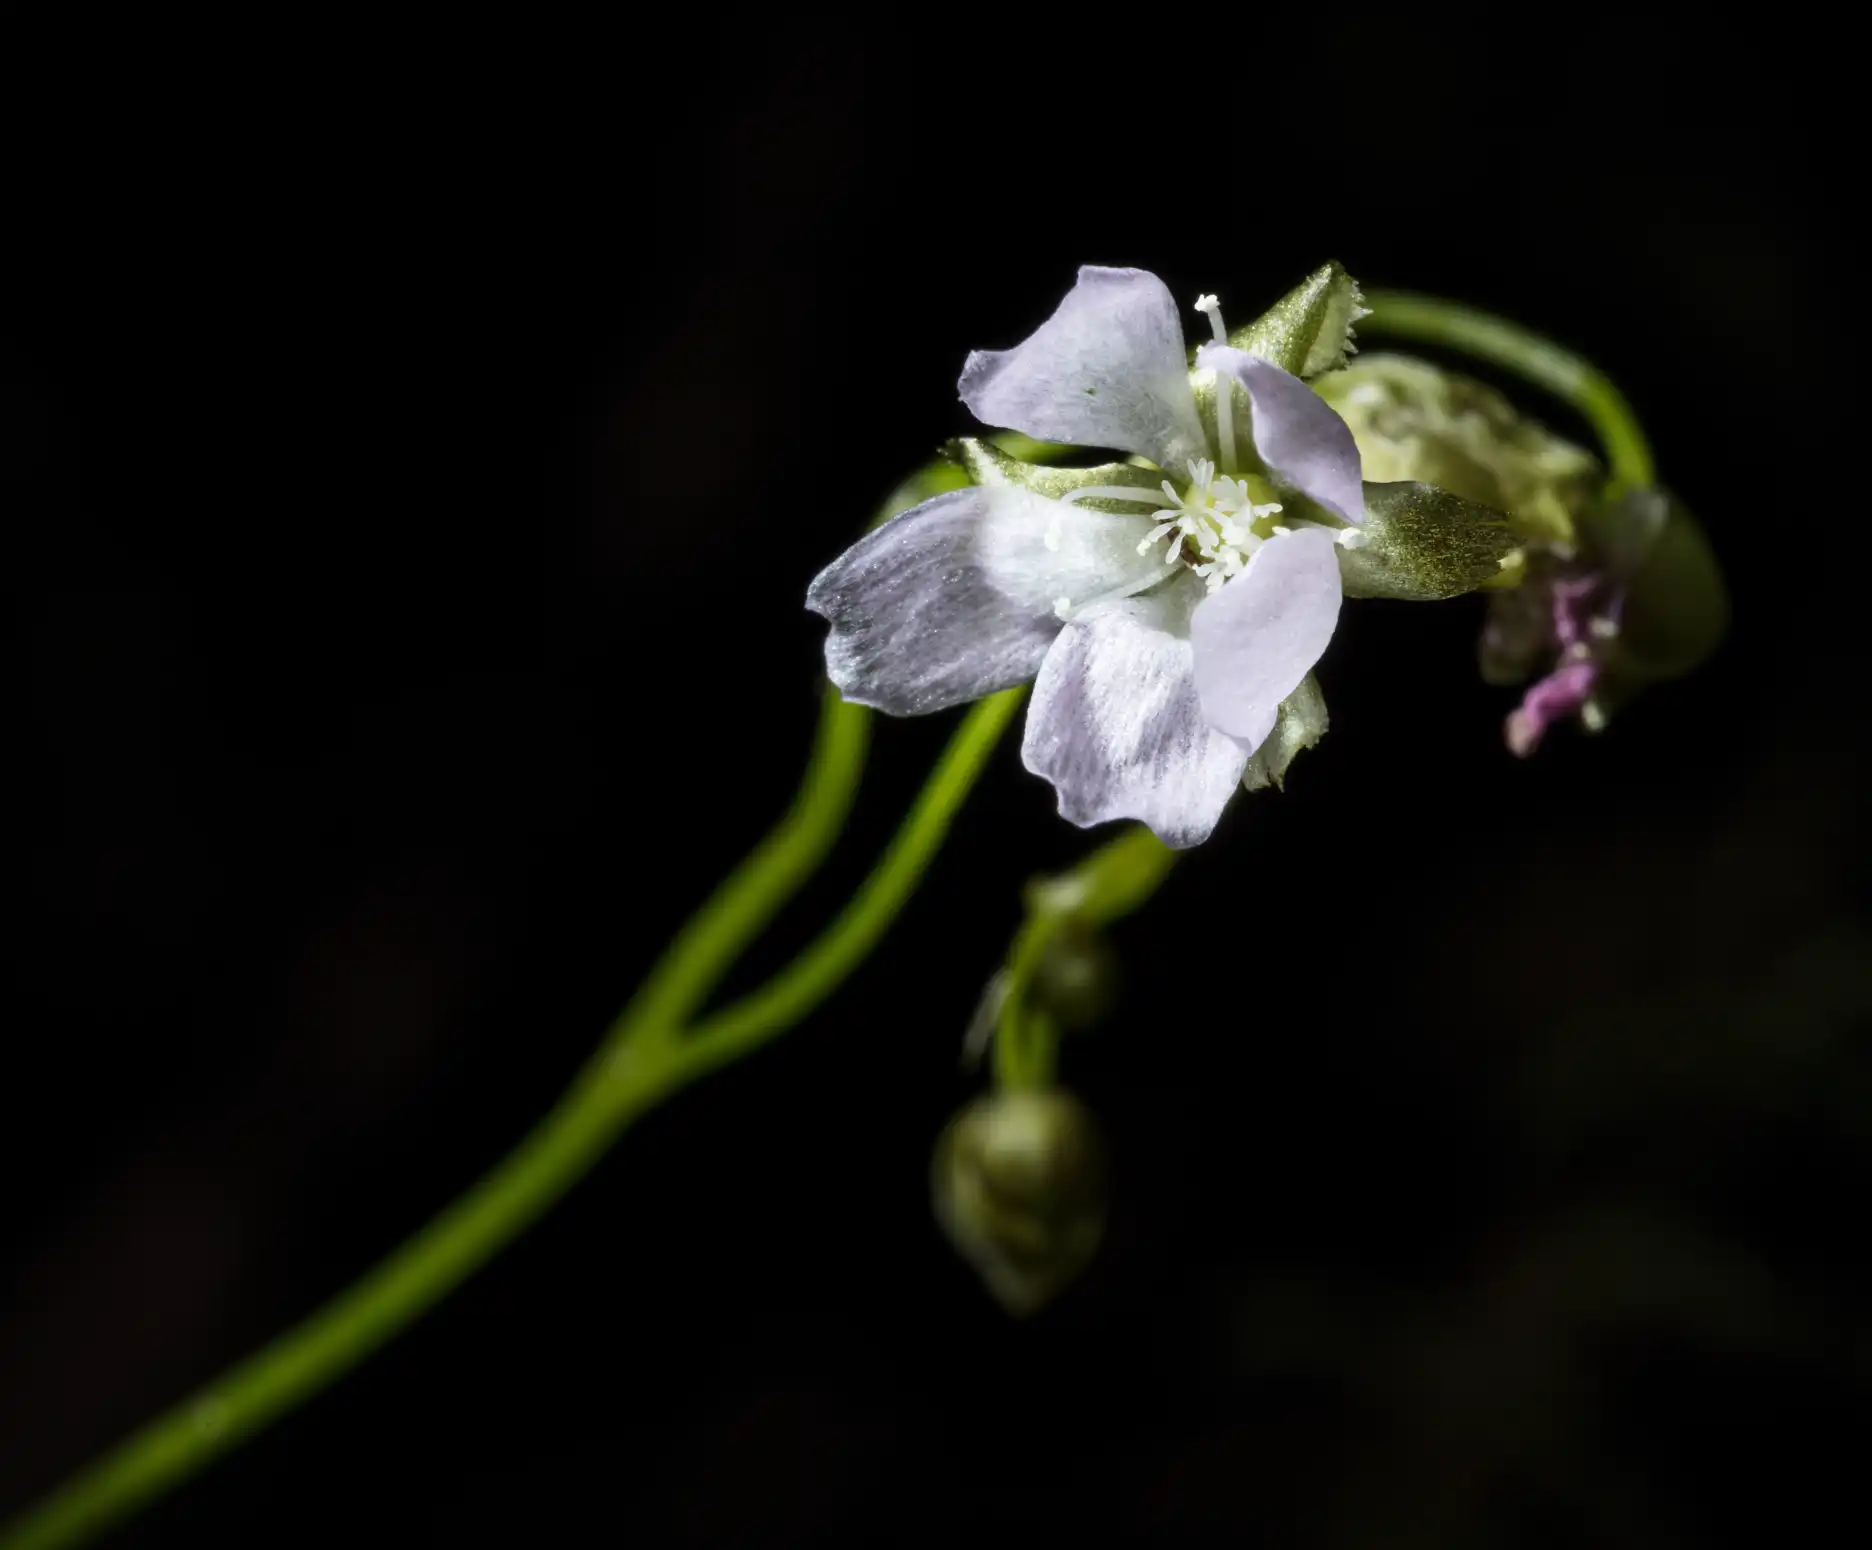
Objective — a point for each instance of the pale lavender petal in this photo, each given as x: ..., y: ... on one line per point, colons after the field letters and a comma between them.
x: 1116, y: 726
x: 1298, y: 434
x: 1108, y: 369
x: 1261, y: 634
x: 954, y: 598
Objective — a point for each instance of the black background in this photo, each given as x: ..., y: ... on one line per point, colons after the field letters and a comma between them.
x: 412, y: 478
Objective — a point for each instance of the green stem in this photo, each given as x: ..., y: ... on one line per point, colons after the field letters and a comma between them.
x: 1111, y: 882
x: 637, y: 1068
x: 752, y: 894
x: 842, y: 946
x: 1564, y: 374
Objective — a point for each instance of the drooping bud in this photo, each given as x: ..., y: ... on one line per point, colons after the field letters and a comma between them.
x: 1075, y: 977
x: 1415, y: 422
x: 1018, y: 1183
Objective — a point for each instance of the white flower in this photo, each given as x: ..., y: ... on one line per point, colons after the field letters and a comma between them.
x: 1163, y: 613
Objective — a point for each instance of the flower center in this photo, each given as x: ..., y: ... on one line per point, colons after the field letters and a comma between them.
x: 1214, y: 524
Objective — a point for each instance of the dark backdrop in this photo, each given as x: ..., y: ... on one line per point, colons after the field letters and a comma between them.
x: 412, y: 478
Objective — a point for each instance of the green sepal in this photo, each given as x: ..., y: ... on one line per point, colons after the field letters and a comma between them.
x: 1416, y: 421
x: 989, y: 465
x: 1018, y: 1182
x: 1676, y: 607
x: 1309, y: 330
x: 1299, y: 724
x: 1422, y: 543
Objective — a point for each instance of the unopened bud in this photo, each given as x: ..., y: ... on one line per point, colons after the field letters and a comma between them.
x: 1018, y: 1182
x: 1076, y: 977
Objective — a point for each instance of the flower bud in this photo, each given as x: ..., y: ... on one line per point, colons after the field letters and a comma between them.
x: 1417, y: 423
x: 1075, y: 978
x: 1018, y: 1182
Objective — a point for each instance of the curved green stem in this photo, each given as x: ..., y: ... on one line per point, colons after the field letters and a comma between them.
x: 752, y: 894
x: 842, y: 946
x: 1542, y: 362
x: 638, y: 1066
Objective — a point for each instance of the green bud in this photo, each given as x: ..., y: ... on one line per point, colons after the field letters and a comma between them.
x: 989, y: 465
x: 1423, y: 543
x: 1309, y: 330
x: 1075, y: 977
x: 1300, y: 723
x: 1018, y: 1182
x: 1417, y: 423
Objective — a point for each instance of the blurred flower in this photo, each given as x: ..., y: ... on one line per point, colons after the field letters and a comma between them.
x: 1636, y: 599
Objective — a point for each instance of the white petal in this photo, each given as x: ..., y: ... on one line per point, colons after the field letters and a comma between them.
x: 1115, y: 724
x: 1260, y: 634
x: 1298, y: 434
x: 954, y: 598
x: 1108, y: 369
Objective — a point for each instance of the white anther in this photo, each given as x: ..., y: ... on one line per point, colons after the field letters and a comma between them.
x: 1063, y: 607
x: 1351, y: 538
x: 1052, y: 539
x: 1603, y: 628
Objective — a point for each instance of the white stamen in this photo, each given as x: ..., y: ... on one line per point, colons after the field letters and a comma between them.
x: 1224, y: 385
x: 1068, y: 610
x: 1511, y: 559
x: 1052, y: 539
x: 1603, y: 628
x: 1592, y: 716
x: 1215, y: 516
x: 1351, y: 538
x: 1225, y: 418
x: 1211, y: 306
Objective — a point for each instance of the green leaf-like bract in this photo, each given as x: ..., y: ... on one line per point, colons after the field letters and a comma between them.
x: 1299, y: 724
x: 1422, y: 543
x: 1309, y: 330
